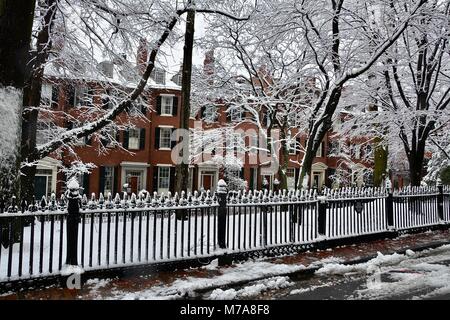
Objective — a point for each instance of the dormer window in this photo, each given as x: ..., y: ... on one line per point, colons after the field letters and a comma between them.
x: 159, y: 76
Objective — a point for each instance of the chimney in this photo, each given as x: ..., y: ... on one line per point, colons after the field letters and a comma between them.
x: 208, y: 63
x: 142, y: 55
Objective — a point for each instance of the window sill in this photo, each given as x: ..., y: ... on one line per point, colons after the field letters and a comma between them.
x: 166, y: 115
x: 165, y: 149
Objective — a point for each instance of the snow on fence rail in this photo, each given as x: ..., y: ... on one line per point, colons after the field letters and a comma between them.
x: 145, y: 229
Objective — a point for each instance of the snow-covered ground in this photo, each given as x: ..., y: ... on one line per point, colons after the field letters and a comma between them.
x: 249, y: 271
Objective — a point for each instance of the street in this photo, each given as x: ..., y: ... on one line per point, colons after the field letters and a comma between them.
x: 424, y: 275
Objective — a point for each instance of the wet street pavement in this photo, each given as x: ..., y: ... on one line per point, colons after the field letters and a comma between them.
x: 424, y: 275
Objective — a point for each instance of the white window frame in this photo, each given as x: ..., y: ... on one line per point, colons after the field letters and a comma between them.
x: 161, y: 145
x: 160, y: 188
x: 46, y: 94
x: 109, y: 178
x: 236, y: 115
x: 319, y: 151
x: 134, y: 141
x: 253, y: 144
x: 165, y: 104
x: 292, y: 147
x: 290, y: 179
x: 80, y: 95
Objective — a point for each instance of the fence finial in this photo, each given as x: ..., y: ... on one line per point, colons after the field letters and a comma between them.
x: 221, y: 186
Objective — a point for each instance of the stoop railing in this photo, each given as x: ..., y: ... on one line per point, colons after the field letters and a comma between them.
x: 101, y: 233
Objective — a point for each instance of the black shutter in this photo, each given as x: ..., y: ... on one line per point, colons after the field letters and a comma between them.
x: 142, y: 139
x: 264, y: 118
x: 116, y: 181
x: 175, y: 106
x: 229, y: 116
x: 86, y: 184
x: 155, y: 179
x: 202, y: 112
x: 172, y: 179
x: 90, y: 97
x: 173, y: 143
x: 70, y: 95
x: 88, y: 140
x: 251, y: 185
x: 296, y: 175
x: 102, y: 180
x: 125, y: 138
x: 298, y: 146
x: 117, y: 136
x: 157, y: 135
x: 143, y: 109
x: 158, y: 105
x: 55, y: 96
x: 330, y: 172
x: 105, y: 102
x: 241, y: 173
x: 323, y: 149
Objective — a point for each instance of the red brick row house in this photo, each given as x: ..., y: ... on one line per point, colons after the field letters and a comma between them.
x: 143, y: 159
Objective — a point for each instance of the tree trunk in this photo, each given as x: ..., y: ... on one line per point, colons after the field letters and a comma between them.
x: 415, y: 160
x: 380, y: 163
x: 182, y: 169
x: 16, y: 20
x: 32, y: 100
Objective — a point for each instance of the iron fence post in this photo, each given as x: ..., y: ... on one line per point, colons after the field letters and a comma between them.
x: 222, y: 213
x: 73, y: 210
x: 322, y: 215
x: 389, y: 205
x: 440, y: 199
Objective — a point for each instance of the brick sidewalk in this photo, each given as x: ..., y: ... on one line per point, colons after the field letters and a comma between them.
x: 104, y: 289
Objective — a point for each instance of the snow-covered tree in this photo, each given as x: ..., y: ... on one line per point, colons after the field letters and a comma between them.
x: 331, y: 41
x: 16, y: 20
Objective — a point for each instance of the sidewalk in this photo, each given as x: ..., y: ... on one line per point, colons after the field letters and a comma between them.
x: 186, y: 283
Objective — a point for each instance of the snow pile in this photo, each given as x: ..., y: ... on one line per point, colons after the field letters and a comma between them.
x: 182, y: 288
x: 367, y: 267
x: 68, y: 270
x: 97, y: 283
x: 253, y: 290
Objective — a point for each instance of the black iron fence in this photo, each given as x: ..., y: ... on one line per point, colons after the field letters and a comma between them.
x: 47, y: 238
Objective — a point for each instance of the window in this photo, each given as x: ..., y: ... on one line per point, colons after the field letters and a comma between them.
x: 164, y: 138
x: 107, y: 102
x: 292, y: 145
x: 108, y: 180
x: 290, y: 175
x: 253, y: 140
x: 319, y: 151
x: 46, y: 94
x: 177, y: 79
x: 159, y: 76
x: 166, y: 105
x: 356, y: 151
x: 334, y: 148
x: 44, y: 132
x: 83, y: 96
x: 266, y: 181
x: 210, y: 114
x: 236, y: 115
x: 163, y: 178
x: 133, y: 139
